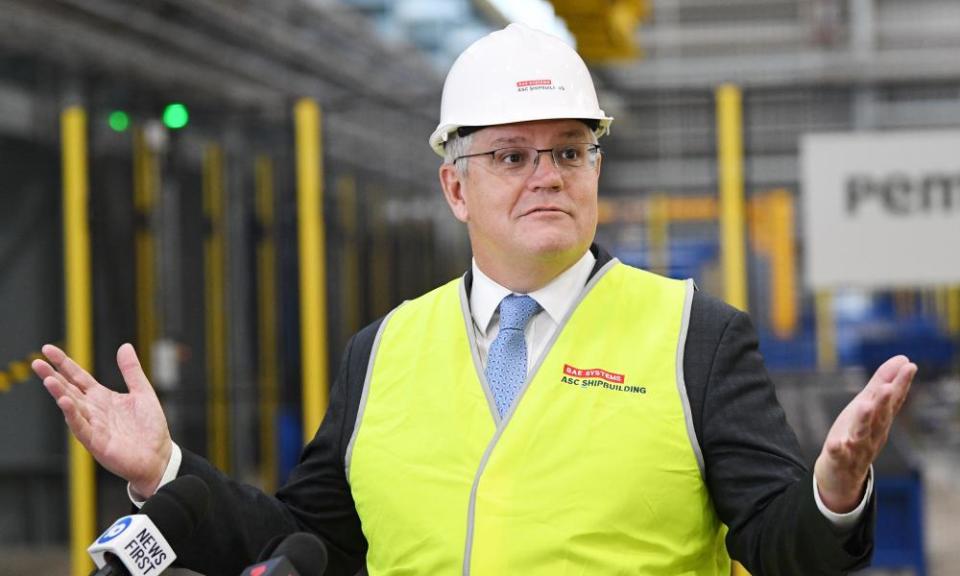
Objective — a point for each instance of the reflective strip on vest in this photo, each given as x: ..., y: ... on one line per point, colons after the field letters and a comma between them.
x: 596, y: 469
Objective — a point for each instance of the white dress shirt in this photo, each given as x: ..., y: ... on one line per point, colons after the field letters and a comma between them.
x: 556, y: 298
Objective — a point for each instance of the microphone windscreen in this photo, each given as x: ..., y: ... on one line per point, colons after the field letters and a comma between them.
x: 178, y: 507
x: 306, y: 552
x: 272, y: 544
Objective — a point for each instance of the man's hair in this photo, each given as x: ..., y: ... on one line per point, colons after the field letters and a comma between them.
x: 455, y: 147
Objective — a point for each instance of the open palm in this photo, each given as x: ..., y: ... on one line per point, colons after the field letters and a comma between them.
x: 126, y: 433
x: 859, y: 434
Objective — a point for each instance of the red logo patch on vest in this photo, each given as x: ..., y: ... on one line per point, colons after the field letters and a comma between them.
x: 598, y: 379
x: 611, y: 377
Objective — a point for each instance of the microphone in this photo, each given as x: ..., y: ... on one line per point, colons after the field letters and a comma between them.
x: 272, y: 544
x: 299, y: 554
x: 143, y: 544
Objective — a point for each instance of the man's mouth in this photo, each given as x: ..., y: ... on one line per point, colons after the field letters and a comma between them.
x: 544, y: 210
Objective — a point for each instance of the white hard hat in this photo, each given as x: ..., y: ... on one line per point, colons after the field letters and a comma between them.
x: 517, y: 74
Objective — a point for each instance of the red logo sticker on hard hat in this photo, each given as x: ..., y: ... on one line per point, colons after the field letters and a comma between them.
x: 526, y: 83
x: 542, y: 84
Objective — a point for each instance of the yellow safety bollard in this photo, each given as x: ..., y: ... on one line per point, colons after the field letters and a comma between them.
x: 350, y: 262
x: 826, y: 331
x: 953, y: 311
x: 268, y: 373
x: 658, y: 233
x: 381, y: 280
x: 313, y: 285
x: 79, y: 325
x: 783, y: 281
x: 145, y: 188
x: 214, y: 260
x: 732, y: 217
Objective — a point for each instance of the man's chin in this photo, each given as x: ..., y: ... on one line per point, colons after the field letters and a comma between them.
x: 557, y: 248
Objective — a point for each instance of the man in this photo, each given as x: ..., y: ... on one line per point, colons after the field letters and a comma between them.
x: 551, y: 412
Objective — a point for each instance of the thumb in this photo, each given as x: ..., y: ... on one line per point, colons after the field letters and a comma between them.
x: 131, y: 370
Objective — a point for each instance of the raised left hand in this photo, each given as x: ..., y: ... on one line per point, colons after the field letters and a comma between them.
x: 126, y: 433
x: 859, y: 433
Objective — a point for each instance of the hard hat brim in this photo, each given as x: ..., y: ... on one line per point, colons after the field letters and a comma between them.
x: 442, y: 134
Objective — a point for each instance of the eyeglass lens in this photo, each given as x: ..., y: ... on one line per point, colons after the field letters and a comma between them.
x: 522, y: 159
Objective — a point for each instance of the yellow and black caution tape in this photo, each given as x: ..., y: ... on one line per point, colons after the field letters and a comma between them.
x: 17, y: 372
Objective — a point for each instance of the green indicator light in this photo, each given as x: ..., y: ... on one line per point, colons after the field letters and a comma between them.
x: 119, y: 121
x: 175, y: 116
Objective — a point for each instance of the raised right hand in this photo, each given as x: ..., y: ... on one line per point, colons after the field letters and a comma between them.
x: 126, y: 433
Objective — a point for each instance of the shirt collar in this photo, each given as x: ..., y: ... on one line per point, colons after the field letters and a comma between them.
x: 556, y: 298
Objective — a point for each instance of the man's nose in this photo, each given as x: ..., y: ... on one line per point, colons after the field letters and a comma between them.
x: 546, y: 170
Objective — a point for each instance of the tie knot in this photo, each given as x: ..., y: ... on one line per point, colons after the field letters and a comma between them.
x: 516, y: 311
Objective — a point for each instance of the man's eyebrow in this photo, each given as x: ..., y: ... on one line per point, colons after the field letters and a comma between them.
x: 509, y: 140
x: 573, y: 133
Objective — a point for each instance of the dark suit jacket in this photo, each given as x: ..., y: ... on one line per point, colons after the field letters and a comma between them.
x: 757, y: 480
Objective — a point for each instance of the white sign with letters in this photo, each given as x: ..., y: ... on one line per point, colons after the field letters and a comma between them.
x: 881, y: 209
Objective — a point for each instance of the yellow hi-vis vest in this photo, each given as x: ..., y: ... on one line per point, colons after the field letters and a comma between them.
x: 594, y: 471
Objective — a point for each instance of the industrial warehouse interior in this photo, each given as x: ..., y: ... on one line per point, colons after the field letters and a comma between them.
x: 237, y: 187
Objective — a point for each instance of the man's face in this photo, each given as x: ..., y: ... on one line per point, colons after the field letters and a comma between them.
x: 549, y: 214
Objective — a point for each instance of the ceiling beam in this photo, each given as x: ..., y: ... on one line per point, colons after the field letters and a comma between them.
x: 806, y: 68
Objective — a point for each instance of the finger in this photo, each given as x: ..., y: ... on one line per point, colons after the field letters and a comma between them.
x: 835, y: 448
x: 870, y: 430
x: 70, y: 369
x: 864, y: 414
x: 44, y: 371
x: 131, y: 369
x: 58, y: 390
x: 892, y: 395
x: 77, y: 423
x: 889, y: 369
x: 859, y: 455
x: 901, y: 385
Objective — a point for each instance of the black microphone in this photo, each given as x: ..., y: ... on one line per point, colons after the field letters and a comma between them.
x: 144, y: 544
x: 299, y: 554
x: 272, y: 544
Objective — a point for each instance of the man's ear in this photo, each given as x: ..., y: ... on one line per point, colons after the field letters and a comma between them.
x: 453, y: 184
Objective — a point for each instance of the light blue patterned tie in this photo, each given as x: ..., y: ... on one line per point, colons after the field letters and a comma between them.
x: 507, y: 360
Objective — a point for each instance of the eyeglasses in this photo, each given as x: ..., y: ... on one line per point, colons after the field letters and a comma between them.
x: 523, y: 160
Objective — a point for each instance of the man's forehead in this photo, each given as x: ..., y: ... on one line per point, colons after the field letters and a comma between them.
x: 527, y: 132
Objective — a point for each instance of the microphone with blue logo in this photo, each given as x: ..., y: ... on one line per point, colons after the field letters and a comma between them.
x: 143, y: 544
